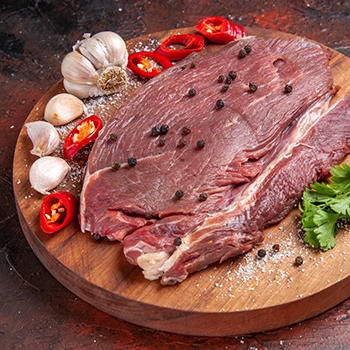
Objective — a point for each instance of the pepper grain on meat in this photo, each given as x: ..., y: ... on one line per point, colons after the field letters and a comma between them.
x: 232, y: 74
x: 113, y: 137
x: 179, y: 194
x: 242, y: 53
x: 220, y: 104
x: 288, y: 88
x: 132, y: 161
x: 161, y: 142
x: 221, y: 78
x: 203, y: 197
x: 185, y: 130
x: 177, y: 241
x: 228, y: 80
x: 224, y: 88
x: 191, y: 92
x: 253, y: 87
x: 200, y: 143
x: 164, y: 129
x: 247, y: 49
x: 115, y: 165
x: 181, y: 143
x: 155, y: 131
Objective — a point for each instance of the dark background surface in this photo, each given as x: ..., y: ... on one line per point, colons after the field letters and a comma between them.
x: 36, y: 312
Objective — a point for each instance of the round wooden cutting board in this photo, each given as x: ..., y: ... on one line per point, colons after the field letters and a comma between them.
x: 240, y: 296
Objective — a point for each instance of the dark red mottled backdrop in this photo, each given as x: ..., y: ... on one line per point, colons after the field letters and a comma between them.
x: 36, y: 312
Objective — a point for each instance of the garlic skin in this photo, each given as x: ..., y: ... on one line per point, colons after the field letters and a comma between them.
x: 96, y: 66
x: 46, y: 173
x: 44, y: 137
x: 63, y: 108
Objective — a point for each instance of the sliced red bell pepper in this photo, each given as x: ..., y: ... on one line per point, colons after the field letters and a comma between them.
x: 85, y: 132
x: 189, y: 43
x: 57, y: 211
x: 148, y: 64
x: 219, y: 30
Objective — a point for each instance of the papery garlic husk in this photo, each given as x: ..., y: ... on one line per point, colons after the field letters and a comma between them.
x: 46, y: 173
x: 63, y: 108
x: 96, y: 67
x: 44, y: 137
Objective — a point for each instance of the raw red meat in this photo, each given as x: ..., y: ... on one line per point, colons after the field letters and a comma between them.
x: 241, y: 140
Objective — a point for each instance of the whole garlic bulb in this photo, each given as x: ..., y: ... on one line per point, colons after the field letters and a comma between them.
x: 44, y: 137
x: 46, y: 173
x: 96, y: 66
x: 63, y: 108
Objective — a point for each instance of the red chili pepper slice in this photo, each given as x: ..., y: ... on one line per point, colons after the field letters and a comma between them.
x: 57, y: 211
x: 85, y: 132
x: 189, y: 43
x: 148, y: 64
x: 220, y: 30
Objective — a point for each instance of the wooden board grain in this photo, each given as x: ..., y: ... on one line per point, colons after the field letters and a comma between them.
x: 239, y: 296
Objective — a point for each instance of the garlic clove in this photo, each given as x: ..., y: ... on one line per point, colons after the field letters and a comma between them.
x: 46, y: 173
x: 44, y: 137
x: 117, y: 53
x: 78, y: 69
x: 81, y: 90
x: 94, y: 51
x: 63, y: 108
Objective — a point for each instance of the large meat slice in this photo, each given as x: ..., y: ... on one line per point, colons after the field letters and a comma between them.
x: 309, y: 150
x: 241, y: 140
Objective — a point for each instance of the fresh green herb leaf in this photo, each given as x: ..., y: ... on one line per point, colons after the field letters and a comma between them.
x: 322, y: 205
x: 340, y: 179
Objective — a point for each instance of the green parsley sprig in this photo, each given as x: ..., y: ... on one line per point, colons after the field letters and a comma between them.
x: 323, y: 205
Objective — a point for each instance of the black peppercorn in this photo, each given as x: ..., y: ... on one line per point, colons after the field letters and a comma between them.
x: 177, y: 241
x: 115, y: 165
x: 221, y: 78
x: 155, y: 131
x: 242, y: 53
x: 228, y: 80
x: 113, y: 137
x: 164, y: 129
x: 179, y: 194
x: 232, y: 74
x: 132, y: 161
x: 96, y: 236
x: 224, y: 88
x: 181, y: 143
x: 161, y: 142
x: 200, y: 143
x: 193, y: 65
x: 252, y: 87
x: 288, y: 88
x: 247, y: 49
x: 203, y: 197
x: 298, y: 261
x: 261, y: 253
x: 185, y: 130
x: 191, y: 92
x: 220, y: 104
